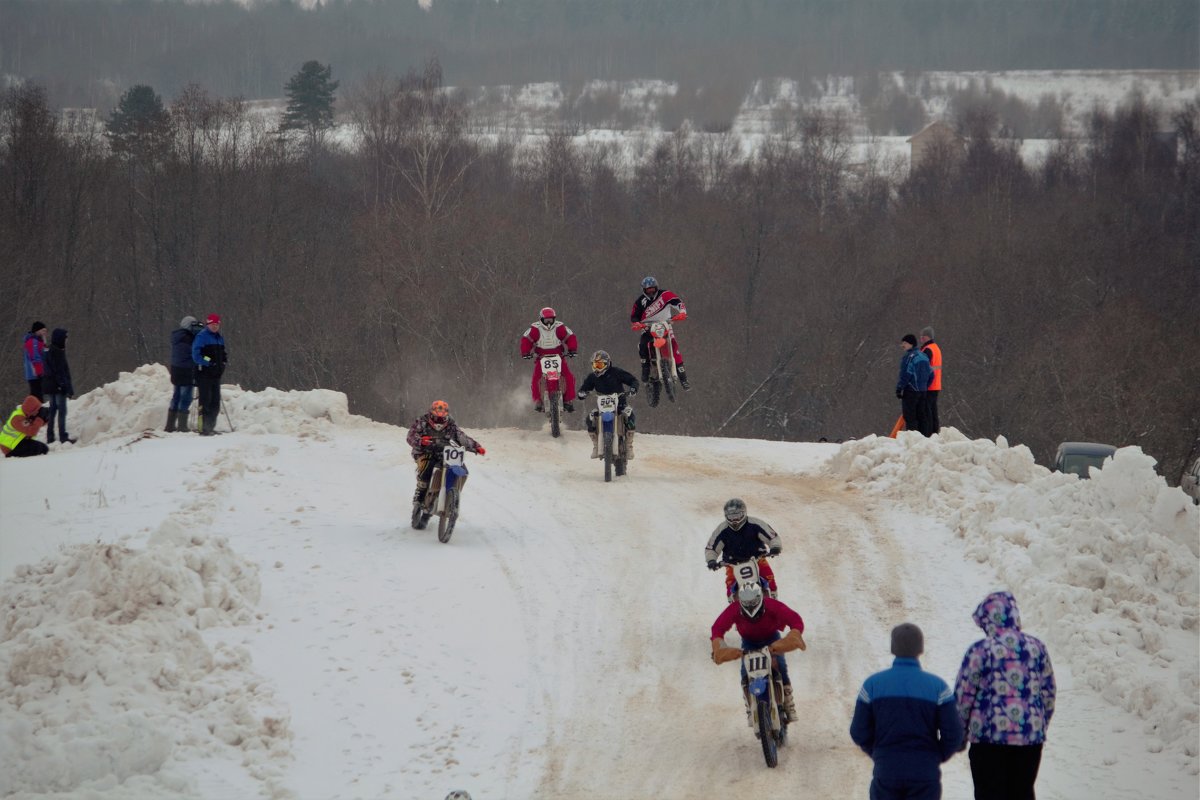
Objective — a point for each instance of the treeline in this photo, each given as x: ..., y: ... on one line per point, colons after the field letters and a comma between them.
x: 88, y: 51
x: 1064, y: 296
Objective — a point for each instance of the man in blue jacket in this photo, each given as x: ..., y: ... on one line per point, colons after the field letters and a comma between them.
x: 911, y: 385
x: 906, y: 720
x: 208, y: 352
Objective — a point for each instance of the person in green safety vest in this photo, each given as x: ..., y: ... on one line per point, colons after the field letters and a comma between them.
x: 16, y: 438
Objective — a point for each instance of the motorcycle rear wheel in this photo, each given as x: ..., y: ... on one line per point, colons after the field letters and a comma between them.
x: 449, y: 516
x: 420, y: 515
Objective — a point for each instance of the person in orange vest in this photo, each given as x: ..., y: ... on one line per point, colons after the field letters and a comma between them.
x: 930, y: 348
x: 16, y: 438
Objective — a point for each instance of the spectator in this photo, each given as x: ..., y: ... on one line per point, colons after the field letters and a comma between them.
x: 905, y: 720
x: 16, y: 437
x: 35, y: 358
x: 1005, y: 697
x: 183, y: 374
x: 208, y: 353
x: 912, y: 383
x: 57, y: 383
x: 934, y: 353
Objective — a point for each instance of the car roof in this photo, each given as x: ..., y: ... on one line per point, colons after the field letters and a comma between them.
x: 1087, y: 448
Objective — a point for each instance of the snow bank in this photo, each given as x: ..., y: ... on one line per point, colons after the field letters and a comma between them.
x: 138, y: 400
x: 1105, y: 570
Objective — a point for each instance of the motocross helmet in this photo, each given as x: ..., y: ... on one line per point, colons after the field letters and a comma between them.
x: 735, y: 513
x: 601, y: 361
x: 750, y: 598
x: 458, y: 794
x: 439, y: 414
x: 650, y: 286
x: 548, y: 316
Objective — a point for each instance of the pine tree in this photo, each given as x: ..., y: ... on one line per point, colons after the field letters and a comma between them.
x: 310, y: 101
x: 140, y: 126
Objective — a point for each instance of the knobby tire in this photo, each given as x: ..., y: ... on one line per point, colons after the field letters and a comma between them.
x: 449, y: 516
x: 769, y: 748
x: 555, y: 412
x: 608, y: 456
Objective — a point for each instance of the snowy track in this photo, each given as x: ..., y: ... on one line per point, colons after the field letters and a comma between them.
x: 556, y: 647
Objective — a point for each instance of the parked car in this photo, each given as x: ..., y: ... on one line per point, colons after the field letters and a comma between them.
x: 1190, y: 482
x: 1076, y: 457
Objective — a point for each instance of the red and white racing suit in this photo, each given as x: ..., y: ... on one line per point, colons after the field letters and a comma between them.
x: 544, y: 340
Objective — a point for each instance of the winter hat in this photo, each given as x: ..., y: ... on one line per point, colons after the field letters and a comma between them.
x: 188, y: 322
x: 908, y: 337
x: 31, y: 405
x: 927, y: 332
x: 37, y: 326
x: 212, y: 318
x: 907, y: 641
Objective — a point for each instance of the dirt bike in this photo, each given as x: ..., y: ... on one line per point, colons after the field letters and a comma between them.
x: 747, y: 572
x: 763, y: 689
x: 445, y: 487
x: 663, y: 372
x: 550, y: 390
x: 610, y: 427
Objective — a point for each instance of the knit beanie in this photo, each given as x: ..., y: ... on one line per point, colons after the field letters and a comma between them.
x: 927, y: 333
x: 187, y: 322
x: 908, y: 337
x: 907, y: 641
x: 37, y: 326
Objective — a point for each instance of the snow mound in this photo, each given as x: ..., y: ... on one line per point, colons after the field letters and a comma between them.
x: 138, y: 400
x: 1105, y: 570
x: 107, y: 679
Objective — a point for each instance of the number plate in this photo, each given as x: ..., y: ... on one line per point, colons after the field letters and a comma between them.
x: 551, y: 363
x: 607, y: 403
x: 757, y: 663
x: 452, y: 456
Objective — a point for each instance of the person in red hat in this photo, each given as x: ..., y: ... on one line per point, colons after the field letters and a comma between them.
x: 208, y: 351
x: 16, y: 438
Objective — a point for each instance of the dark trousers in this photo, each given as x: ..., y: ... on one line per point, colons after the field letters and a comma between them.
x: 35, y: 389
x: 209, y: 391
x: 886, y: 789
x: 912, y: 405
x: 28, y: 447
x: 935, y: 424
x: 58, y: 408
x: 1004, y: 771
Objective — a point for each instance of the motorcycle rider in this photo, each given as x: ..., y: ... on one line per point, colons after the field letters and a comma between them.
x: 545, y: 337
x: 760, y: 620
x: 427, y: 436
x: 608, y: 379
x: 650, y: 306
x: 741, y: 538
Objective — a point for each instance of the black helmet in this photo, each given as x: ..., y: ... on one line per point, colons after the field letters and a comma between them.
x: 735, y: 513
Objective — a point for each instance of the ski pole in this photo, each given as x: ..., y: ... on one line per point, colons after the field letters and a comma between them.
x: 227, y: 419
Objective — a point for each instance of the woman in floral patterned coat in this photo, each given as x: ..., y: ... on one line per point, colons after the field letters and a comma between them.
x: 1005, y: 697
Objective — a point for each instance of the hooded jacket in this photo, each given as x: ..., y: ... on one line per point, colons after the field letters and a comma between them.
x: 34, y: 350
x: 57, y: 377
x: 1005, y: 688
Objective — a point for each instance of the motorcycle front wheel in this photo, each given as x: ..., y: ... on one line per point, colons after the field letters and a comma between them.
x: 608, y: 456
x: 769, y: 748
x: 554, y: 409
x: 449, y: 516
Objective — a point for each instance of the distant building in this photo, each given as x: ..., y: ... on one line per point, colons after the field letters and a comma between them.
x: 934, y: 137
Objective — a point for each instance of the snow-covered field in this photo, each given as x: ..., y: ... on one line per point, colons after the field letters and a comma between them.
x: 251, y: 615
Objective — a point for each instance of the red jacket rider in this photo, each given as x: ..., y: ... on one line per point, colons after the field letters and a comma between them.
x: 545, y: 337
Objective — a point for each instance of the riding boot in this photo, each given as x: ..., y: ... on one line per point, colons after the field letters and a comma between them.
x: 181, y: 421
x: 749, y: 707
x: 595, y: 443
x: 170, y: 422
x: 683, y: 380
x: 629, y: 445
x: 789, y: 703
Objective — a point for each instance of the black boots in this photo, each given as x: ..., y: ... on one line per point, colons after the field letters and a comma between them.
x: 683, y: 381
x: 181, y: 421
x: 170, y: 421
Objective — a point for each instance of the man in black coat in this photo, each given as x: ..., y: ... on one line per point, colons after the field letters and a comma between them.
x: 56, y: 382
x: 607, y: 379
x: 183, y: 374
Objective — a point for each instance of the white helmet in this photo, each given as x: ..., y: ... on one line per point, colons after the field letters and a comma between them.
x: 459, y: 794
x: 735, y: 513
x: 750, y: 598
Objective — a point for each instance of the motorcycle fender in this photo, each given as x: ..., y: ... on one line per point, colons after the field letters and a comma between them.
x: 606, y: 420
x: 758, y: 687
x: 456, y: 477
